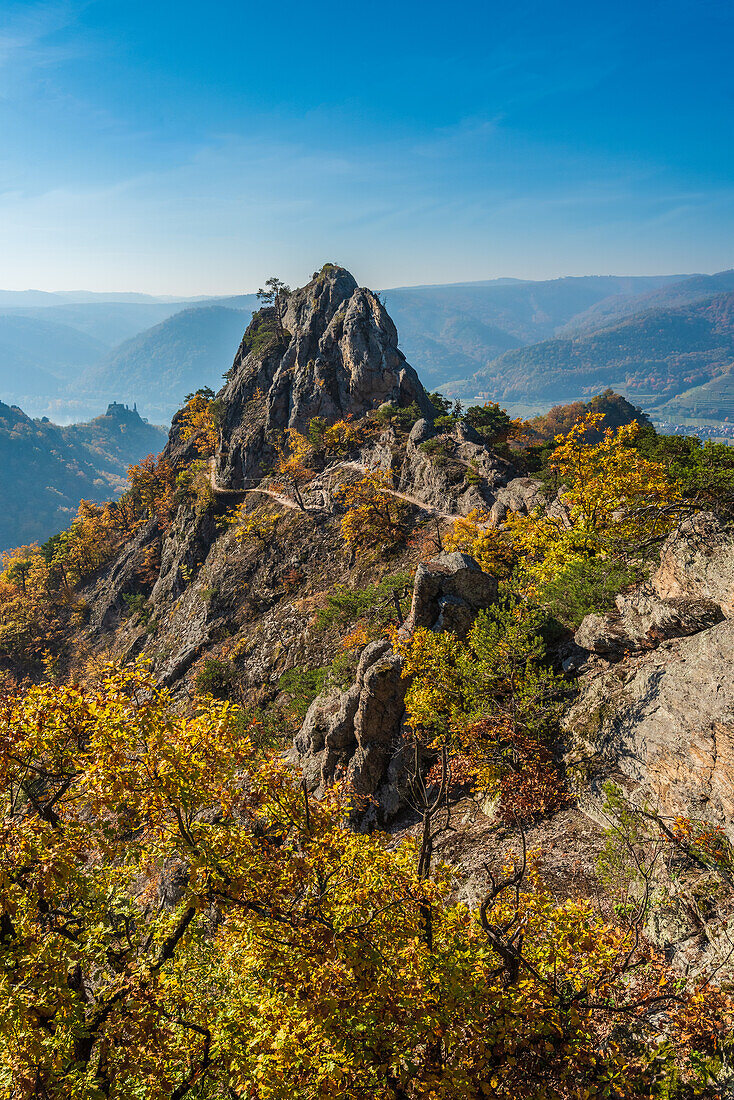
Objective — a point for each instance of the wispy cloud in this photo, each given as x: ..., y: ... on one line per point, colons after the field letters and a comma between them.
x: 27, y: 42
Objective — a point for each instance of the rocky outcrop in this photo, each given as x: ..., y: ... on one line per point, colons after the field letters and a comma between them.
x: 698, y: 561
x: 359, y: 734
x: 462, y: 475
x: 643, y: 621
x: 448, y: 592
x: 691, y: 590
x: 521, y: 494
x: 666, y: 722
x: 663, y: 716
x: 338, y: 357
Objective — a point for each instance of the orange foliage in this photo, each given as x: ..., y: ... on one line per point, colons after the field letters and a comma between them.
x: 198, y: 421
x: 152, y: 489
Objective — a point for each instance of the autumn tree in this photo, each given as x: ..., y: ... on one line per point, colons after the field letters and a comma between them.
x: 18, y: 570
x: 292, y: 469
x: 375, y: 516
x: 477, y: 535
x: 613, y: 505
x: 28, y: 615
x: 152, y: 489
x: 492, y: 700
x: 200, y: 419
x: 177, y: 919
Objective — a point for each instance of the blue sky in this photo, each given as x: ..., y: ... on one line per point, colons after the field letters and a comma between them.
x: 191, y: 148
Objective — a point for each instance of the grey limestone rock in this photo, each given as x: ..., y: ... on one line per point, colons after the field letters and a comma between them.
x: 358, y: 734
x: 642, y: 621
x: 339, y: 358
x: 521, y: 494
x: 421, y: 431
x: 666, y: 721
x: 691, y: 590
x: 697, y: 561
x: 450, y: 580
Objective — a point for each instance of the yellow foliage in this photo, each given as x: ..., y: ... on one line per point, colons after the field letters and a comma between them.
x: 611, y: 489
x: 342, y: 437
x: 198, y: 422
x: 476, y: 535
x: 434, y: 700
x: 357, y: 638
x: 259, y: 525
x: 611, y: 501
x: 178, y: 919
x: 292, y: 462
x: 375, y: 518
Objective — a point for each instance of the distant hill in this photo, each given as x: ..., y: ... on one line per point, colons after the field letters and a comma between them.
x: 447, y: 332
x: 678, y: 293
x: 159, y: 366
x: 135, y: 347
x: 37, y: 356
x: 48, y: 469
x: 111, y: 322
x: 15, y: 298
x: 108, y: 322
x: 649, y: 357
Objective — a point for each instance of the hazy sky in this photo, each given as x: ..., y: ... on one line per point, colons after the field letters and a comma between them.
x: 197, y: 148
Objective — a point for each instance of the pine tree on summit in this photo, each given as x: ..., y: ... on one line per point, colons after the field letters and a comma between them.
x: 275, y: 294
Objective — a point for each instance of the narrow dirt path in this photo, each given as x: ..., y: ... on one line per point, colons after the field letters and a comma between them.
x: 219, y: 491
x: 358, y: 466
x: 394, y: 493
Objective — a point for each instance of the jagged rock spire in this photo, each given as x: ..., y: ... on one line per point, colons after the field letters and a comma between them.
x: 339, y: 357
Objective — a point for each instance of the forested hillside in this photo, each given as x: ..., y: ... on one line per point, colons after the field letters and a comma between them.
x: 676, y: 292
x: 47, y: 469
x: 651, y: 357
x: 450, y: 331
x: 38, y: 357
x: 164, y: 363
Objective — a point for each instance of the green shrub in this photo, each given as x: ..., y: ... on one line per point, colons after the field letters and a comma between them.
x: 216, y: 678
x: 302, y: 685
x: 374, y: 603
x: 317, y: 425
x: 583, y: 587
x: 705, y: 471
x: 436, y: 450
x: 440, y: 403
x: 472, y: 475
x: 342, y: 670
x: 490, y: 420
x: 396, y: 416
x: 137, y: 604
x: 445, y: 423
x: 262, y: 333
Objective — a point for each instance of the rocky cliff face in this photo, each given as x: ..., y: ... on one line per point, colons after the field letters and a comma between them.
x: 212, y: 595
x: 656, y: 706
x: 339, y: 357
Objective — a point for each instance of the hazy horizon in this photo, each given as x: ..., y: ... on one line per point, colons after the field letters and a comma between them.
x: 197, y: 296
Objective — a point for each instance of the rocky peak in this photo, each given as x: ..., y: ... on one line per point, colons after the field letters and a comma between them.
x: 338, y: 356
x: 316, y: 303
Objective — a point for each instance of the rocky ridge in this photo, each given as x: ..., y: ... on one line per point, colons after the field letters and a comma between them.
x: 212, y: 595
x: 654, y: 705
